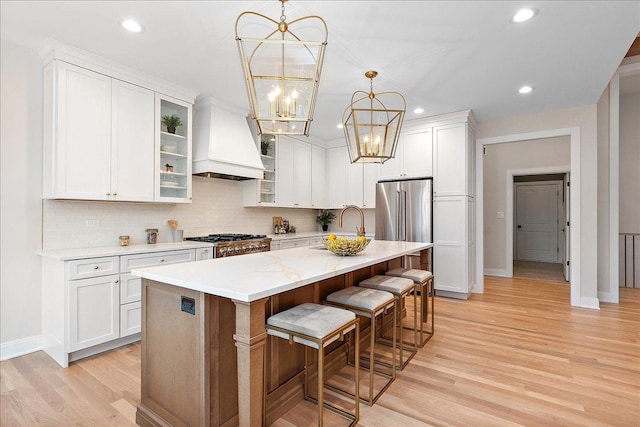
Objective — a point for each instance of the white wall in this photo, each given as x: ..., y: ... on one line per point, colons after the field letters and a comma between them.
x: 585, y: 119
x: 630, y: 163
x: 20, y: 197
x: 499, y: 158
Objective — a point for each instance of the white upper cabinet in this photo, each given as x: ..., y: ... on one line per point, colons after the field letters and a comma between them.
x: 132, y: 142
x: 318, y: 181
x: 413, y: 158
x: 349, y: 183
x: 77, y: 149
x: 173, y: 158
x: 293, y: 173
x: 336, y: 177
x: 100, y: 132
x: 453, y: 160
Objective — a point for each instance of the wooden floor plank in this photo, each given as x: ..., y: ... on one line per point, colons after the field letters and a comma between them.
x: 517, y: 355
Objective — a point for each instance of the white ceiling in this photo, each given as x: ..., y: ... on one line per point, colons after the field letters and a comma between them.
x: 443, y: 56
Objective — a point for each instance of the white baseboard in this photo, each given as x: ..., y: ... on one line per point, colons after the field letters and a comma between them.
x: 11, y: 349
x: 587, y: 302
x: 495, y: 272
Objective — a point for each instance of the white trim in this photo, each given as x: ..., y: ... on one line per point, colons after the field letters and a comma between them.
x: 588, y: 302
x: 508, y: 213
x: 495, y: 272
x: 11, y: 349
x: 574, y: 134
x: 613, y: 294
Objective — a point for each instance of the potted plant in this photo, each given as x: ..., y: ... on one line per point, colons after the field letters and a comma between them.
x: 171, y: 122
x: 264, y: 146
x: 325, y: 218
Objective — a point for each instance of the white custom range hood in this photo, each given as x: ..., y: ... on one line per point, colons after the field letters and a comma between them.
x: 223, y: 146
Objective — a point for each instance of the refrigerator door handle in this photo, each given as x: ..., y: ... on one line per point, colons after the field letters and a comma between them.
x: 404, y: 215
x: 399, y: 214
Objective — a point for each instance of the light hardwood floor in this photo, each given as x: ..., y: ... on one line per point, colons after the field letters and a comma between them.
x: 517, y: 355
x: 538, y: 270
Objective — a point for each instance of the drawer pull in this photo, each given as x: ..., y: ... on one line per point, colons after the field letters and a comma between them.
x: 97, y: 267
x: 162, y: 260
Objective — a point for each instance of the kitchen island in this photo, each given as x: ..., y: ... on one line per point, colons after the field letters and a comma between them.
x: 205, y: 353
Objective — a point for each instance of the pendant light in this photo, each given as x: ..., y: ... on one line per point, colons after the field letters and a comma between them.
x: 372, y: 124
x: 282, y: 69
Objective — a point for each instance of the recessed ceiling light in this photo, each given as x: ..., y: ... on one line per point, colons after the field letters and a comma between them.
x: 524, y: 15
x: 132, y: 25
x: 340, y: 126
x: 418, y: 110
x: 525, y: 89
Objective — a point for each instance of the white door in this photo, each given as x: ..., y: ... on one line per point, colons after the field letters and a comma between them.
x: 537, y: 221
x: 567, y: 228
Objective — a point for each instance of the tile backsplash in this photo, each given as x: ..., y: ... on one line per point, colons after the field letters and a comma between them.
x: 216, y: 208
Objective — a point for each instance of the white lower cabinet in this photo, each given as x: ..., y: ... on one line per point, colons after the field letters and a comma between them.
x: 130, y: 318
x: 94, y: 310
x: 95, y: 304
x: 454, y: 238
x: 296, y: 242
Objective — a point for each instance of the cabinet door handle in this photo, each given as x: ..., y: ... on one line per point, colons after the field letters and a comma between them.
x: 108, y: 194
x: 117, y: 281
x: 96, y: 267
x: 162, y: 260
x: 115, y: 194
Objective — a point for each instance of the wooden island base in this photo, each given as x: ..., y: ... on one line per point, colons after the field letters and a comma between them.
x: 197, y: 367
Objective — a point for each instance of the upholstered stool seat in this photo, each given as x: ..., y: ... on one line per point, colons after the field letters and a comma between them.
x: 423, y: 281
x: 400, y: 287
x: 369, y: 303
x: 317, y: 326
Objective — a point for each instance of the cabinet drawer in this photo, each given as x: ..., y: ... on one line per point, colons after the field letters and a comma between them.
x: 130, y: 262
x: 204, y: 253
x: 287, y: 244
x: 92, y: 267
x: 315, y: 241
x: 130, y: 318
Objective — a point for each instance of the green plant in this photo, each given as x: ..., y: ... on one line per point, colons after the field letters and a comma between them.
x: 325, y: 217
x: 264, y: 146
x: 171, y: 121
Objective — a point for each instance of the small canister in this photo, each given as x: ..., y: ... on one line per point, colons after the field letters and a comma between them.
x: 152, y: 235
x: 124, y: 240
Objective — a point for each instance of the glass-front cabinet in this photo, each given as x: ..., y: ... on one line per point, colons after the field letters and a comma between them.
x: 268, y: 157
x: 173, y: 148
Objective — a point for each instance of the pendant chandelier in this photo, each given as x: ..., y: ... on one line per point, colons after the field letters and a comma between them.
x: 281, y: 69
x: 372, y: 124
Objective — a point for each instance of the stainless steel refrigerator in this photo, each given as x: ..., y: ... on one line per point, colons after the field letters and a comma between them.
x: 404, y: 210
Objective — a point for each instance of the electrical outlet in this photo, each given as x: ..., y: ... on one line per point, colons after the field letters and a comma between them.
x: 93, y: 223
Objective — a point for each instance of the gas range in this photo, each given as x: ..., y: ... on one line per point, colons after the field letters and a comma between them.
x: 235, y: 244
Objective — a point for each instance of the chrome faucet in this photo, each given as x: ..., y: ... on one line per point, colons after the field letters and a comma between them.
x: 361, y: 231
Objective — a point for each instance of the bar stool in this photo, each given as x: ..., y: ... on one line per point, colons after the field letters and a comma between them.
x: 369, y: 303
x: 317, y: 326
x: 400, y: 288
x: 423, y: 280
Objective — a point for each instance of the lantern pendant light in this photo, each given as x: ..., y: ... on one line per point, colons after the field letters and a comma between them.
x: 282, y: 63
x: 372, y: 124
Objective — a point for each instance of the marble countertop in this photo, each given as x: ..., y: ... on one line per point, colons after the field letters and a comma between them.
x: 259, y: 275
x: 81, y: 253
